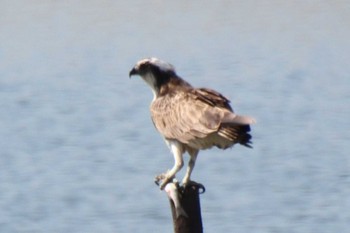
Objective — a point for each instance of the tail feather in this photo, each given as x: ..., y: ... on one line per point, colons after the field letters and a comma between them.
x: 236, y: 134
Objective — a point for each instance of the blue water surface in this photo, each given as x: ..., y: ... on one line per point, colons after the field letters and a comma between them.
x: 79, y: 151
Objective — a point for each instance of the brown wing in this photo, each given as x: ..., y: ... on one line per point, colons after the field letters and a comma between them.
x: 194, y: 114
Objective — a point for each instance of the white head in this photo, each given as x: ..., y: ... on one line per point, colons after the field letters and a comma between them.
x: 154, y: 71
x: 162, y: 65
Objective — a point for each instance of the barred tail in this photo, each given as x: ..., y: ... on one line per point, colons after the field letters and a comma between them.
x: 236, y: 134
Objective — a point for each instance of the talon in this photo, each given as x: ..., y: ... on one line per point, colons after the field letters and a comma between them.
x: 158, y: 178
x: 165, y: 181
x: 187, y: 182
x: 196, y: 185
x: 162, y: 180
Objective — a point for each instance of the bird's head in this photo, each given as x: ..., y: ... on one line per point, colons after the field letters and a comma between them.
x: 154, y: 71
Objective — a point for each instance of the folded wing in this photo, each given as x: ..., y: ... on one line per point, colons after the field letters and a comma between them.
x: 200, y: 117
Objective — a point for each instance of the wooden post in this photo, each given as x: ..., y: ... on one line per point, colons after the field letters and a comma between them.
x: 185, y: 207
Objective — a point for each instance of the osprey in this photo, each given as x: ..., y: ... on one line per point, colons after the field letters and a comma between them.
x: 190, y: 119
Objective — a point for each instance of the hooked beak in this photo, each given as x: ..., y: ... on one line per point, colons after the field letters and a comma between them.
x: 133, y: 72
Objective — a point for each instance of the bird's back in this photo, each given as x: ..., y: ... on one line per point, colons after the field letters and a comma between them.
x: 199, y: 118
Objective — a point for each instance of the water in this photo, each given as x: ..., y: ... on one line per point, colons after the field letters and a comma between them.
x: 78, y: 149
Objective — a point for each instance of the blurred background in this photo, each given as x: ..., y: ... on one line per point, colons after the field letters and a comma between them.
x: 78, y: 151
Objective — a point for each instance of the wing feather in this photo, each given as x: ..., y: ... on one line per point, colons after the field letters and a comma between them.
x: 192, y: 114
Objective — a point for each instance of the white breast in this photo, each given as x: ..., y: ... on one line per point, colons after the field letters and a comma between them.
x: 151, y: 81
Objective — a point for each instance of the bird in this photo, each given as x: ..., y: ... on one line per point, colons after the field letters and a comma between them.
x: 189, y: 119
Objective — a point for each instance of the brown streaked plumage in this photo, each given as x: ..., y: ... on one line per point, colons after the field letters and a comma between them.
x: 190, y: 119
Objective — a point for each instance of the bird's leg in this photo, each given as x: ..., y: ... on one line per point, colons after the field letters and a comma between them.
x: 177, y: 150
x: 193, y: 156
